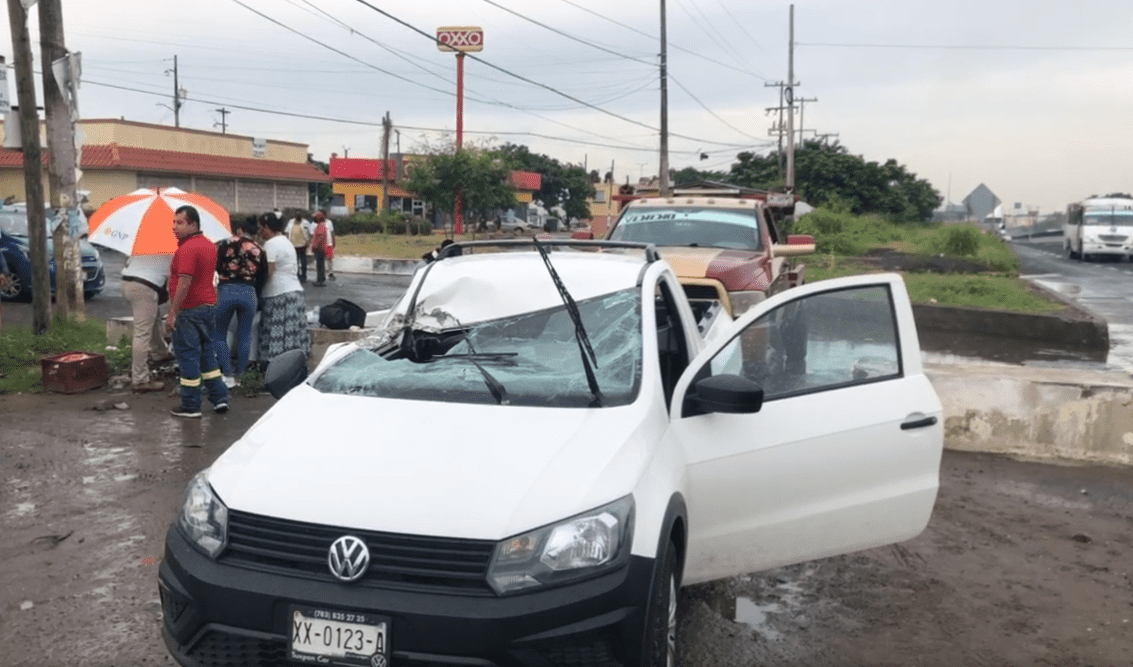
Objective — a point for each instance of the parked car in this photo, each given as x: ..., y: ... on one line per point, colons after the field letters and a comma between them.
x: 526, y: 477
x: 16, y: 283
x: 722, y: 248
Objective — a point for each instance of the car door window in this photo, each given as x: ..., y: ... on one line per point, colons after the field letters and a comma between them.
x: 825, y: 341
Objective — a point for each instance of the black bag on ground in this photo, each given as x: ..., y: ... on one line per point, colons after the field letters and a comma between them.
x: 342, y: 314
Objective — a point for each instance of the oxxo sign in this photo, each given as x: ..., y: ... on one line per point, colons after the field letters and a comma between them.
x: 464, y: 39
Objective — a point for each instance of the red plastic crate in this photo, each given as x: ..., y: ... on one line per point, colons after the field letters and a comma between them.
x: 72, y: 372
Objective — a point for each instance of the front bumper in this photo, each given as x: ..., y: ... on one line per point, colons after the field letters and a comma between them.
x: 216, y: 614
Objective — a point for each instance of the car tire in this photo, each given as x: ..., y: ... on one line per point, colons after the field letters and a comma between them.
x: 13, y: 289
x: 660, y: 646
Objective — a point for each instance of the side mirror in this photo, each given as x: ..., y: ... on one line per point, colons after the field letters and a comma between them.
x: 285, y: 372
x: 732, y: 394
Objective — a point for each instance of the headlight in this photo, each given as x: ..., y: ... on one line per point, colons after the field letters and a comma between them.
x: 576, y: 548
x: 204, y: 519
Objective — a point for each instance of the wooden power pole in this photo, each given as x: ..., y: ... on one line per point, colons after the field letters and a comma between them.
x: 59, y: 105
x: 33, y: 166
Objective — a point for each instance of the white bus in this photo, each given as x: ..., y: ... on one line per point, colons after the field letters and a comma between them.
x: 1099, y: 226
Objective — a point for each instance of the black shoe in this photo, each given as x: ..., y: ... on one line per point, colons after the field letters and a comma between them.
x: 185, y: 413
x: 219, y: 408
x: 331, y: 276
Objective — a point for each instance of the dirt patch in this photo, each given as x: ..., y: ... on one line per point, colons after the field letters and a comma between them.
x: 888, y: 259
x: 1022, y: 563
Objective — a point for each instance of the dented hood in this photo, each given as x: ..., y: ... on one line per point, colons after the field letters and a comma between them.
x: 431, y: 468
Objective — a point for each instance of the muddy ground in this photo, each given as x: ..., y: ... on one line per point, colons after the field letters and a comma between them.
x: 1022, y: 563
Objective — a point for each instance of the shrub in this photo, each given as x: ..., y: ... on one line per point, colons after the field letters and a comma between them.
x: 961, y: 240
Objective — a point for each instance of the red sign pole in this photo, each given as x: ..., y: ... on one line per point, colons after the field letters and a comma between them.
x: 458, y: 225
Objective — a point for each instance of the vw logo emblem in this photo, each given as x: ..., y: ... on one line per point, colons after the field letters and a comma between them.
x: 348, y: 558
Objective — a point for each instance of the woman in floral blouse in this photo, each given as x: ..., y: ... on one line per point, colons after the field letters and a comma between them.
x: 242, y: 267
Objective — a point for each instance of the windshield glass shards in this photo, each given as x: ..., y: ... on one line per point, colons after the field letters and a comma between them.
x: 691, y: 226
x: 529, y: 359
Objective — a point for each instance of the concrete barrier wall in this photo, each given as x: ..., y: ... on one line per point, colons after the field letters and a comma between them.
x: 1078, y: 330
x: 1039, y: 413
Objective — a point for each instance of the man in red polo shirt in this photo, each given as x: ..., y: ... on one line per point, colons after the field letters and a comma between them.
x: 192, y: 315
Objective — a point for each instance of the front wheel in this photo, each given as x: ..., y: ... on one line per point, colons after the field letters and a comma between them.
x: 660, y: 648
x: 1069, y: 251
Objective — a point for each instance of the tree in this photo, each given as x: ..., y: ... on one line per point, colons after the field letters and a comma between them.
x: 827, y: 173
x: 693, y: 175
x: 568, y: 186
x: 481, y: 175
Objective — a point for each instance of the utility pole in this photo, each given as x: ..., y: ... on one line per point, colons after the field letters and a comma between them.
x: 223, y: 120
x: 176, y: 95
x: 824, y: 136
x: 802, y: 108
x: 61, y: 109
x: 33, y: 166
x: 387, y: 125
x: 664, y: 167
x: 779, y: 128
x: 790, y: 93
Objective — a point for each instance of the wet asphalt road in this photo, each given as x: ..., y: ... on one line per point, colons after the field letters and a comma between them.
x: 1103, y: 287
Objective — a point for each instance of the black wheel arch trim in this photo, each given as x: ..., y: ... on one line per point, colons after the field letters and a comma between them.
x: 673, y: 527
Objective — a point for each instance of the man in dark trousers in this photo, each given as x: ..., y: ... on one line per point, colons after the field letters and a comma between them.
x: 192, y: 315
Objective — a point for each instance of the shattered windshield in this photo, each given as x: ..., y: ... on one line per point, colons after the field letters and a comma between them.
x: 691, y: 226
x: 529, y: 359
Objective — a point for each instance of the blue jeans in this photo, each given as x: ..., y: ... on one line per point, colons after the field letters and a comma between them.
x: 237, y: 299
x: 192, y: 342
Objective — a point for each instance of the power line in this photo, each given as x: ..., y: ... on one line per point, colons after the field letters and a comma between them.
x: 654, y: 37
x: 366, y: 123
x: 601, y: 48
x: 568, y: 36
x: 480, y: 60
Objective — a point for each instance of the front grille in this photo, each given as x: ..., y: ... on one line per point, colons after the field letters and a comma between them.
x: 434, y: 564
x: 1112, y: 238
x: 221, y: 649
x: 584, y: 651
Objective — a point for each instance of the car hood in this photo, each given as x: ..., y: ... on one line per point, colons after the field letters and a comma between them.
x: 736, y: 269
x: 431, y: 468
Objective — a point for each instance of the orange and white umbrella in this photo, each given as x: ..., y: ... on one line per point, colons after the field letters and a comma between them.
x: 141, y: 223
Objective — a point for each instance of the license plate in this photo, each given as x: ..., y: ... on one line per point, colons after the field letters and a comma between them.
x: 329, y: 637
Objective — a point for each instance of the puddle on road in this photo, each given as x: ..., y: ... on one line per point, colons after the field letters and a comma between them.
x: 764, y: 610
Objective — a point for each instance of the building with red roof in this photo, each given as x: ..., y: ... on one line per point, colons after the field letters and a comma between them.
x: 241, y: 173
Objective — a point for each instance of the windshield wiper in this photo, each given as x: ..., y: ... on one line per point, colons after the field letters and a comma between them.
x: 494, y: 386
x: 589, y: 359
x: 494, y: 356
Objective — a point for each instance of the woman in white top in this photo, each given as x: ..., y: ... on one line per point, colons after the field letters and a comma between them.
x: 283, y: 319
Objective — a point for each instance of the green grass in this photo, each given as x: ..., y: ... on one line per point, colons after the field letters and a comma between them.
x: 21, y: 351
x: 843, y: 240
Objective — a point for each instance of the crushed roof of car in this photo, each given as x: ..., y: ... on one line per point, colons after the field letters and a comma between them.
x: 486, y: 286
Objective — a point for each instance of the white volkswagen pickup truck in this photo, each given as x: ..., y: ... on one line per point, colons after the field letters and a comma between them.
x: 536, y: 450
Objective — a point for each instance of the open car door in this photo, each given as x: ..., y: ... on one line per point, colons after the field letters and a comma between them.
x: 809, y: 431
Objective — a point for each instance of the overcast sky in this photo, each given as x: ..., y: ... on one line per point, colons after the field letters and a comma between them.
x: 1032, y: 98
